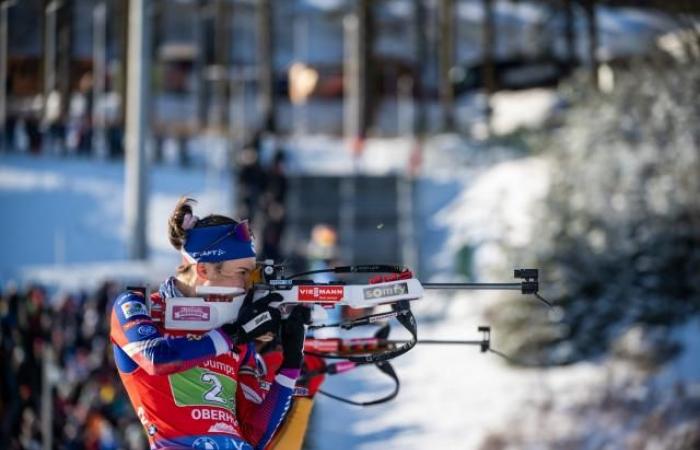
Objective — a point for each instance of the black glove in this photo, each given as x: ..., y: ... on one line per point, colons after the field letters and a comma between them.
x: 292, y: 336
x: 255, y: 319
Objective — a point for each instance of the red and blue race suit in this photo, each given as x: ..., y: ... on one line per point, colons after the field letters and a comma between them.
x: 194, y: 390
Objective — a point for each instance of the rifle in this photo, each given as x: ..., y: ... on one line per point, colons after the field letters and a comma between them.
x: 397, y: 289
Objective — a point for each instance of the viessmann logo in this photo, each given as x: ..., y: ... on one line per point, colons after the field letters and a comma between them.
x: 195, y: 313
x: 385, y: 291
x: 321, y: 293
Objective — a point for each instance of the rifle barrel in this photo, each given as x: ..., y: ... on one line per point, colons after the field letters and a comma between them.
x: 474, y: 286
x: 441, y: 342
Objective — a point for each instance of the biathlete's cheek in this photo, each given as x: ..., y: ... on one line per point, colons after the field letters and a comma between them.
x: 233, y: 280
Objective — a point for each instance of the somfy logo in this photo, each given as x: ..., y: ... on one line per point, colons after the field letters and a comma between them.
x: 385, y: 291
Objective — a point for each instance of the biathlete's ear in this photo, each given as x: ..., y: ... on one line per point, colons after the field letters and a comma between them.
x: 201, y: 269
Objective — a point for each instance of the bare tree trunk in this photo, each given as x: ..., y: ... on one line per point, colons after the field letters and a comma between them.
x: 447, y: 61
x: 570, y: 34
x: 267, y: 66
x: 358, y: 41
x: 589, y: 7
x: 489, y: 50
x: 419, y: 123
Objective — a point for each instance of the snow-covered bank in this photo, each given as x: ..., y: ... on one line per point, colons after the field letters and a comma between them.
x: 71, y: 211
x: 451, y: 397
x: 456, y: 398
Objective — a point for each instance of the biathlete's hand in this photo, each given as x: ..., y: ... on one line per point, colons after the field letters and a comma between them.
x: 293, y: 333
x: 255, y: 319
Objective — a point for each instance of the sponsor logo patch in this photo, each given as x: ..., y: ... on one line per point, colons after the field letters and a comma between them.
x: 325, y: 346
x: 146, y: 330
x: 205, y: 443
x: 257, y: 321
x: 222, y: 427
x: 214, y: 252
x: 192, y: 313
x: 390, y: 290
x: 131, y: 324
x: 131, y: 309
x: 321, y: 293
x: 301, y: 391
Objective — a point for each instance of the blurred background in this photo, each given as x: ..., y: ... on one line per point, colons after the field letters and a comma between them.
x: 462, y: 138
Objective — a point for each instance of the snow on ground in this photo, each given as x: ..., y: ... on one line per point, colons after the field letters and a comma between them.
x: 66, y: 215
x: 522, y: 109
x: 496, y: 206
x: 456, y: 398
x: 64, y: 222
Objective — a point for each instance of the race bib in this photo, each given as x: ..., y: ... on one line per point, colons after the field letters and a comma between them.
x: 202, y: 387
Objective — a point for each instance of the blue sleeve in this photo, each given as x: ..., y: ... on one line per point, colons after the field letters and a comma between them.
x: 133, y: 331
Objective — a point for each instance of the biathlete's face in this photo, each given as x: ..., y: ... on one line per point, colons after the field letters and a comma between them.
x: 230, y: 273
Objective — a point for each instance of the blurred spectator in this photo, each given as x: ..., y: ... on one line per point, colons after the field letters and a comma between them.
x: 274, y: 208
x: 90, y: 408
x: 322, y: 249
x: 251, y: 177
x: 33, y: 130
x: 8, y: 138
x: 10, y: 143
x: 53, y: 128
x: 80, y: 117
x: 322, y: 253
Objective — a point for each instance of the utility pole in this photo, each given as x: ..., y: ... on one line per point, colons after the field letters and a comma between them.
x: 137, y: 117
x: 50, y: 33
x: 353, y: 81
x: 99, y: 72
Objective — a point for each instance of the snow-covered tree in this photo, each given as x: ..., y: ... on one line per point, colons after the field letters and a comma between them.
x: 619, y: 240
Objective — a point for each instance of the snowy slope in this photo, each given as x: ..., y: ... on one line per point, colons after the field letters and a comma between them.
x: 451, y: 397
x: 456, y: 398
x: 71, y: 212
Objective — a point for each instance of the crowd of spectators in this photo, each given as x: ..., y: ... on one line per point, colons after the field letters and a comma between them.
x: 58, y: 343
